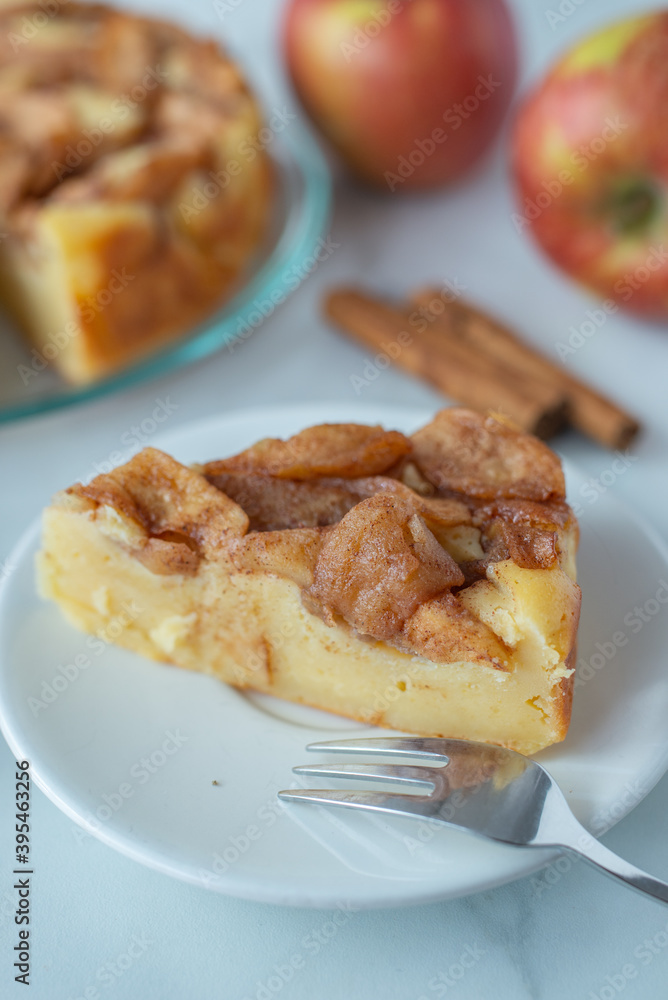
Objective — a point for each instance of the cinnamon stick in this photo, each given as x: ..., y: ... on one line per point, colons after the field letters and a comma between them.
x: 589, y: 411
x: 470, y: 377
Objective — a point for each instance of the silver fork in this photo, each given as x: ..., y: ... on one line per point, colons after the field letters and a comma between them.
x: 487, y: 790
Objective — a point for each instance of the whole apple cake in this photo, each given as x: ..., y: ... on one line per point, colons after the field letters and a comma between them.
x: 134, y: 188
x: 422, y: 583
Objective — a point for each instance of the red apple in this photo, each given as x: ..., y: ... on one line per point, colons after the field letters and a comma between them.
x: 591, y: 162
x: 410, y: 92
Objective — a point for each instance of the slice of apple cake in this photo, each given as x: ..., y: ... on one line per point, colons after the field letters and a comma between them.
x: 134, y: 186
x: 422, y: 583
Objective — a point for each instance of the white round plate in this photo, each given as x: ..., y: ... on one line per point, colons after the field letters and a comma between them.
x: 181, y: 772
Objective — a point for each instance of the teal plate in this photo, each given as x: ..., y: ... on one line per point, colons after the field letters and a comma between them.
x: 301, y: 212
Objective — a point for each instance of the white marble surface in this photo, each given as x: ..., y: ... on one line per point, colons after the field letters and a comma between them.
x: 566, y: 932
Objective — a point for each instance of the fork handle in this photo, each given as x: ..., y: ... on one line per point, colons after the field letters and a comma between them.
x: 607, y: 861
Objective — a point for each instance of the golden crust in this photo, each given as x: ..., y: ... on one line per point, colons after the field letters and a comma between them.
x: 340, y: 450
x: 386, y: 551
x: 445, y: 631
x: 291, y: 554
x: 476, y: 455
x: 169, y: 504
x: 563, y: 701
x: 378, y: 565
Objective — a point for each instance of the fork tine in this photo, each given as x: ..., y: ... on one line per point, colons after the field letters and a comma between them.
x: 406, y: 746
x: 400, y: 773
x: 420, y: 805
